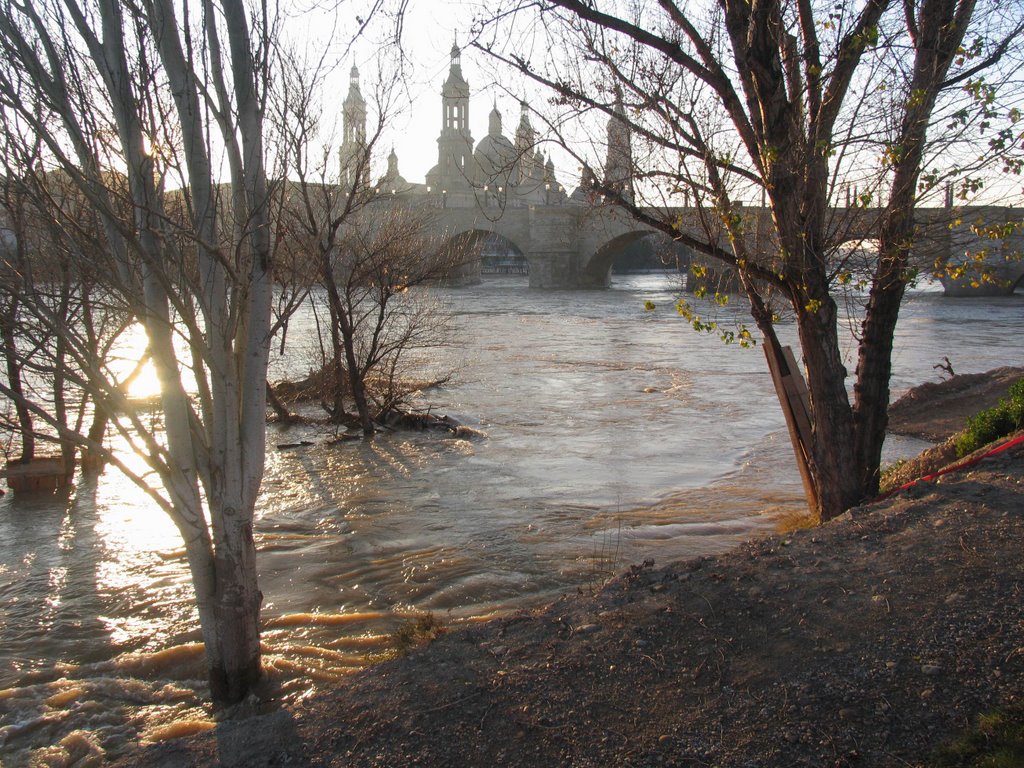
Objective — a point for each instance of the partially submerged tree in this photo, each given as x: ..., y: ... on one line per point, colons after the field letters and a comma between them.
x: 828, y: 113
x: 361, y: 254
x: 380, y: 310
x: 134, y: 88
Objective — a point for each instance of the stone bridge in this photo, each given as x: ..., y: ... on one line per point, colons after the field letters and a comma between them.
x: 572, y: 244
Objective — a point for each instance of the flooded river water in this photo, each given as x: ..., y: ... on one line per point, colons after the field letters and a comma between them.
x: 609, y: 434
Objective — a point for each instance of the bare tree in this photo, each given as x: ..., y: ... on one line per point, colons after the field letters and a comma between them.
x: 49, y: 280
x: 381, y: 315
x: 798, y: 104
x: 127, y: 99
x: 366, y: 256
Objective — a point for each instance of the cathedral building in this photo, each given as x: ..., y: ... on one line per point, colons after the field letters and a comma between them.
x: 497, y: 172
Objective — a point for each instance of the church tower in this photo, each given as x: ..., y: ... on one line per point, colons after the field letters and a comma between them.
x: 618, y: 166
x: 455, y: 144
x: 353, y: 145
x: 526, y: 141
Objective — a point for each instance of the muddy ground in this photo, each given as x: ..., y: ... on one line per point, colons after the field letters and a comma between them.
x: 864, y: 642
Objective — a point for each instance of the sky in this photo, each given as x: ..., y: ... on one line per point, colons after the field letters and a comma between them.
x: 430, y: 28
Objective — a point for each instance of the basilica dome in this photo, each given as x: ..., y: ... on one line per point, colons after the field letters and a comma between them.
x: 494, y: 156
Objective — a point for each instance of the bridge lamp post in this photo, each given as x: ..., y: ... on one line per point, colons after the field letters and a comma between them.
x: 487, y: 201
x: 547, y: 193
x: 444, y: 198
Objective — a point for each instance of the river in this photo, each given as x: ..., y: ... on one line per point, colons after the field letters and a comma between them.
x: 607, y: 434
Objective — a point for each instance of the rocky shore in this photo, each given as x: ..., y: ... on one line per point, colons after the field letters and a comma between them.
x: 868, y: 641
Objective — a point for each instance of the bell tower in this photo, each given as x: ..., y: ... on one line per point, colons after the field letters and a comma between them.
x: 455, y: 144
x: 618, y: 166
x: 352, y: 154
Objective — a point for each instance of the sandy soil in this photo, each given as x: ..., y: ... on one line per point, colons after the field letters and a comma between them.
x: 865, y: 642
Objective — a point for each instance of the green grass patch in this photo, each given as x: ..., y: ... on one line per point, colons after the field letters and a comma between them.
x: 995, y: 741
x: 890, y: 475
x: 993, y: 423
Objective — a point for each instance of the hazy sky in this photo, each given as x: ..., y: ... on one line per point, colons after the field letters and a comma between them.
x: 429, y: 30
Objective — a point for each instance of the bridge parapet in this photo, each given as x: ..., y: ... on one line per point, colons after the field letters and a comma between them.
x: 572, y: 244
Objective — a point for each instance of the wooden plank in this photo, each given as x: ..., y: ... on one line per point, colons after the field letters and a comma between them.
x: 42, y: 474
x: 801, y: 385
x: 801, y: 416
x: 790, y: 404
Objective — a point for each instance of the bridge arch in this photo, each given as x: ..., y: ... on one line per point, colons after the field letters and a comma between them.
x: 637, y: 250
x: 487, y: 252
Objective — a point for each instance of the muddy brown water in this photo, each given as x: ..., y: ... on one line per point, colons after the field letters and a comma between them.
x: 607, y: 434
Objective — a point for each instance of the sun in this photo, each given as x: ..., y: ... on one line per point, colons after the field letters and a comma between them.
x: 124, y: 364
x: 145, y: 384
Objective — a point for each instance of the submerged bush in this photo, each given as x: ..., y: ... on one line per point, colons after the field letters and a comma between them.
x: 411, y: 634
x: 993, y: 423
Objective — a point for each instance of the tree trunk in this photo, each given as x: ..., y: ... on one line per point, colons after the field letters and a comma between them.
x: 357, y: 383
x: 833, y: 458
x: 28, y: 443
x: 277, y: 406
x: 235, y: 668
x: 92, y: 459
x: 343, y: 342
x: 229, y: 610
x: 871, y: 389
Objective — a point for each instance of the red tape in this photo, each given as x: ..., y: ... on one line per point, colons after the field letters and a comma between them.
x: 953, y: 468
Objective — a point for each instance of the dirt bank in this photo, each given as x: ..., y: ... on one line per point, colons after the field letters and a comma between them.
x: 936, y: 410
x: 865, y: 642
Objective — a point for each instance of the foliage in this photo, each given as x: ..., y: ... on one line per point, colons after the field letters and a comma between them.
x: 994, y: 423
x: 995, y: 741
x: 889, y: 473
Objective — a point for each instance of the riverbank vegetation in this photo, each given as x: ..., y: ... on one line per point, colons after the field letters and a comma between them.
x: 995, y: 422
x: 377, y: 322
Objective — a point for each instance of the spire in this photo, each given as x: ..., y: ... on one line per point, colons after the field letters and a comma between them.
x: 494, y: 122
x: 455, y: 144
x: 524, y: 118
x: 393, y: 182
x: 456, y: 84
x: 526, y: 140
x: 620, y: 108
x: 355, y: 96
